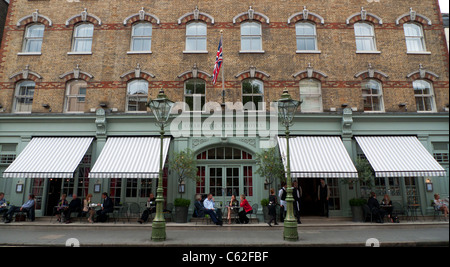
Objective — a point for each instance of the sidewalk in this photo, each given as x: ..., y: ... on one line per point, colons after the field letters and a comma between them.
x: 313, y: 232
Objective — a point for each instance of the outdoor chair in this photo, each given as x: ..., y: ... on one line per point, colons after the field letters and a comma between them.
x: 134, y: 209
x: 398, y: 210
x: 437, y: 212
x: 254, y: 212
x: 368, y: 212
x: 168, y: 211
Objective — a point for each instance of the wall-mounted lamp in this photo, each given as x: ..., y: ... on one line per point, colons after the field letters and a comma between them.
x: 103, y: 105
x: 403, y: 105
x: 344, y: 105
x: 429, y: 185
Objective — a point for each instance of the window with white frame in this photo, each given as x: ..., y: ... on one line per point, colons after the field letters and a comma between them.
x: 137, y: 96
x: 82, y: 37
x: 306, y: 36
x: 196, y: 37
x: 441, y: 152
x: 311, y: 95
x: 365, y: 37
x: 141, y: 37
x: 34, y: 35
x: 414, y: 37
x: 195, y: 94
x: 253, y: 93
x: 423, y: 92
x: 372, y: 94
x: 76, y: 96
x: 251, y: 37
x: 7, y: 153
x: 24, y: 96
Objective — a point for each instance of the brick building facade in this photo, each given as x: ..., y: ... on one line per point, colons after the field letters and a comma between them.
x: 339, y: 48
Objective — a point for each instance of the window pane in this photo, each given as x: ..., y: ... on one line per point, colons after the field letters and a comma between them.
x: 196, y: 29
x: 246, y: 44
x: 84, y: 30
x: 414, y: 44
x: 309, y: 86
x: 412, y: 30
x: 363, y: 29
x: 365, y: 44
x: 304, y: 43
x: 138, y: 87
x: 83, y: 45
x: 251, y: 28
x: 142, y: 44
x: 142, y: 29
x: 35, y: 31
x: 311, y: 104
x: 305, y: 29
x: 33, y: 45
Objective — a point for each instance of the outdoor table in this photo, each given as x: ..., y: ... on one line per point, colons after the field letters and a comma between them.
x: 413, y: 208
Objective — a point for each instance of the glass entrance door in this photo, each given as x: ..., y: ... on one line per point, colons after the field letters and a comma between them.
x: 225, y: 181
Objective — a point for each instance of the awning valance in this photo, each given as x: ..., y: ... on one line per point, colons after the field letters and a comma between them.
x: 130, y: 157
x: 49, y: 157
x: 317, y: 157
x: 399, y: 156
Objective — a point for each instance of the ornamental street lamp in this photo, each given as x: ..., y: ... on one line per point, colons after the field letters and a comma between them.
x: 161, y: 108
x: 286, y: 110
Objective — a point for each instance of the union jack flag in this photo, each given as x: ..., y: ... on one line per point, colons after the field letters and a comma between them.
x: 219, y: 61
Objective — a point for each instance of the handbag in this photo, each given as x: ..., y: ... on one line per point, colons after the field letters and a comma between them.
x: 20, y: 217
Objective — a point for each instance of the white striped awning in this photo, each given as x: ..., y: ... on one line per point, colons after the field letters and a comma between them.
x: 130, y: 157
x: 399, y: 156
x: 49, y: 157
x: 317, y: 157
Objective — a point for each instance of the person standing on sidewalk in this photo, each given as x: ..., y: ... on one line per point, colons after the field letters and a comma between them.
x: 272, y: 207
x: 282, y: 195
x: 324, y: 196
x: 297, y: 193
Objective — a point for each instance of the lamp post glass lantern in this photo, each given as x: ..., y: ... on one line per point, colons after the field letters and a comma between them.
x: 286, y: 111
x: 161, y: 108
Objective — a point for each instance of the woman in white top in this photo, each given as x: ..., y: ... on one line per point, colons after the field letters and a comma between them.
x: 441, y: 205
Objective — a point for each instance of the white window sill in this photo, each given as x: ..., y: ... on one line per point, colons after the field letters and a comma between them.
x: 419, y: 53
x: 252, y: 52
x: 308, y: 52
x: 368, y: 52
x: 79, y: 53
x: 138, y: 52
x: 366, y: 111
x: 29, y: 53
x: 431, y: 111
x: 195, y: 52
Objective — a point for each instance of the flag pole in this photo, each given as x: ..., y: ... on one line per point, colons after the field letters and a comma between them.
x: 223, y: 70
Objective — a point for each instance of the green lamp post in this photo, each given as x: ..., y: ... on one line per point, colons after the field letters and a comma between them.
x: 161, y: 108
x: 286, y: 111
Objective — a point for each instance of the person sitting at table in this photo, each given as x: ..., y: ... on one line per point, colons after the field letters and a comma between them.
x: 27, y: 207
x: 247, y: 210
x: 74, y: 206
x: 199, y: 208
x: 61, y: 207
x: 151, y: 208
x: 208, y: 203
x: 87, y: 209
x: 386, y: 204
x: 107, y: 207
x: 3, y: 204
x: 233, y: 204
x: 374, y: 207
x: 441, y: 205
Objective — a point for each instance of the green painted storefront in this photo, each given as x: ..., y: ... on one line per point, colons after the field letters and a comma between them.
x: 227, y: 164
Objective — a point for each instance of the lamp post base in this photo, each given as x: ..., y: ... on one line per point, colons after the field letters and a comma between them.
x: 290, y: 230
x: 158, y: 231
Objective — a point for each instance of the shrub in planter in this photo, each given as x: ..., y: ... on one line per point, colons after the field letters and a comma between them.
x: 357, y: 210
x: 181, y: 210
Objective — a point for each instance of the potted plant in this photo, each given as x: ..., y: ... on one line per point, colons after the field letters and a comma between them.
x: 356, y: 205
x: 184, y: 165
x: 365, y: 181
x: 270, y: 166
x: 265, y: 204
x: 181, y: 209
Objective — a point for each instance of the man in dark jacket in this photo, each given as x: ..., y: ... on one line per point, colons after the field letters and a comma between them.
x: 74, y: 206
x: 108, y: 207
x: 374, y: 207
x: 199, y: 208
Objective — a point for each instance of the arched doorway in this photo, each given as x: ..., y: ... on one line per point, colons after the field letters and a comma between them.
x: 225, y: 171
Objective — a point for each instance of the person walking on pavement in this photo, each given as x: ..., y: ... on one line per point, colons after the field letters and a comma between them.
x: 272, y: 207
x: 323, y: 196
x: 282, y: 195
